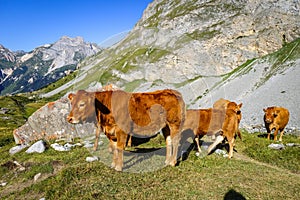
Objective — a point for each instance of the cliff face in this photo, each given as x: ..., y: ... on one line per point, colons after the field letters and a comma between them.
x: 214, y: 37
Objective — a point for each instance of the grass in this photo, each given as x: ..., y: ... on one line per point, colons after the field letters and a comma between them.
x: 66, y: 175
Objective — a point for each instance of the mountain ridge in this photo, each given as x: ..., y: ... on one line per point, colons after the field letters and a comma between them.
x: 28, y: 71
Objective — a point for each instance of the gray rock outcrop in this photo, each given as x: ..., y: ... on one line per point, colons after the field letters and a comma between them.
x: 49, y: 123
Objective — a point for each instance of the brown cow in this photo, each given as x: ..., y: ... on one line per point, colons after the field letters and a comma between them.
x: 276, y: 118
x: 119, y: 114
x: 204, y: 122
x: 228, y: 131
x: 226, y: 104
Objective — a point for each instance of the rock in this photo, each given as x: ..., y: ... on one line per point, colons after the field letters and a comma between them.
x: 3, y: 111
x: 59, y: 147
x: 17, y: 149
x: 88, y: 144
x: 221, y: 152
x: 38, y: 147
x: 276, y: 146
x: 36, y: 177
x: 49, y: 123
x: 91, y: 159
x: 292, y: 145
x: 3, y: 184
x: 19, y: 166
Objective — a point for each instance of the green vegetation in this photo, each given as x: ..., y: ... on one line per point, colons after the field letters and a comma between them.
x: 66, y: 175
x: 280, y: 59
x: 203, y: 35
x: 130, y: 87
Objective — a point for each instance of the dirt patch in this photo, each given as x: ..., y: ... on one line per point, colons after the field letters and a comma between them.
x: 243, y: 157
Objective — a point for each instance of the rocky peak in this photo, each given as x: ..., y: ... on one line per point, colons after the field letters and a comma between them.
x: 43, y: 65
x: 6, y: 54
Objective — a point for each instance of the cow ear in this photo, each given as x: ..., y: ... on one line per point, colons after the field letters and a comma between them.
x: 265, y: 110
x: 70, y: 96
x: 240, y: 105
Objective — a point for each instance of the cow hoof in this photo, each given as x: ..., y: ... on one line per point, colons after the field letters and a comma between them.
x: 201, y: 154
x: 118, y: 168
x: 173, y: 163
x: 113, y: 165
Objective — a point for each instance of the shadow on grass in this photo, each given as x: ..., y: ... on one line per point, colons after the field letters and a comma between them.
x: 265, y: 135
x: 233, y: 195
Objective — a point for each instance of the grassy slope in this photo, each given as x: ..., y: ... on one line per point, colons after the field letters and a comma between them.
x: 66, y: 175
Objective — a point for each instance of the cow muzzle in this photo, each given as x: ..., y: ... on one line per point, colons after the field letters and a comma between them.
x: 269, y: 120
x: 72, y: 120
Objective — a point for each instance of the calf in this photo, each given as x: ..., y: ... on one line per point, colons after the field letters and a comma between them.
x: 224, y: 104
x: 203, y: 122
x: 228, y: 131
x: 120, y: 114
x: 276, y: 118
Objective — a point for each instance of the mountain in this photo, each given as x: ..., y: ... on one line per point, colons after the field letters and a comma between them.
x: 26, y: 72
x: 247, y: 51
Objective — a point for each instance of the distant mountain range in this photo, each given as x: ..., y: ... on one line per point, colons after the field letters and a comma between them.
x: 29, y: 71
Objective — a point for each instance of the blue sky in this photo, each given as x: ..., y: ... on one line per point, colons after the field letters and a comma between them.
x: 27, y: 24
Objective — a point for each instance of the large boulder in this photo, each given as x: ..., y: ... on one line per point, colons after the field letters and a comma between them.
x: 49, y: 123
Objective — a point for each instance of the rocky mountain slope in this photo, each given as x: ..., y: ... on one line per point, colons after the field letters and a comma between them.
x: 25, y: 72
x: 207, y: 50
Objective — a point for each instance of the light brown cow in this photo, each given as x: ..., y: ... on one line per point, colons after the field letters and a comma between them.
x: 119, y: 114
x: 224, y: 104
x: 228, y: 131
x: 276, y: 118
x: 204, y: 122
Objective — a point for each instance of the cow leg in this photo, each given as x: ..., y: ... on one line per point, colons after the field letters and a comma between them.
x: 281, y: 134
x: 231, y: 144
x: 268, y: 137
x: 239, y: 134
x: 166, y: 133
x: 113, y: 147
x: 219, y: 139
x: 197, y: 142
x: 129, y: 141
x: 98, y: 130
x: 121, y: 142
x: 275, y: 133
x: 174, y: 151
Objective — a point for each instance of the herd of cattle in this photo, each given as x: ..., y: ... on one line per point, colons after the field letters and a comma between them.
x: 120, y: 115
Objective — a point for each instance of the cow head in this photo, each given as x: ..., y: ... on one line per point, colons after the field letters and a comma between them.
x: 270, y: 114
x: 237, y: 108
x: 82, y: 107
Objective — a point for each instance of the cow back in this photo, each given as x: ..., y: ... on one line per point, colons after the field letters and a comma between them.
x: 143, y: 114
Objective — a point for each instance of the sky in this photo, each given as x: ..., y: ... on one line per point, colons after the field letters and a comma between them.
x: 27, y: 24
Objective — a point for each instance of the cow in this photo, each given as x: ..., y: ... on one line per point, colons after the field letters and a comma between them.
x: 228, y: 131
x: 224, y: 104
x: 276, y: 118
x: 119, y: 114
x: 203, y: 122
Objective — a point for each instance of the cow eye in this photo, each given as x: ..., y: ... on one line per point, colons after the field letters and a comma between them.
x: 238, y: 112
x: 82, y: 104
